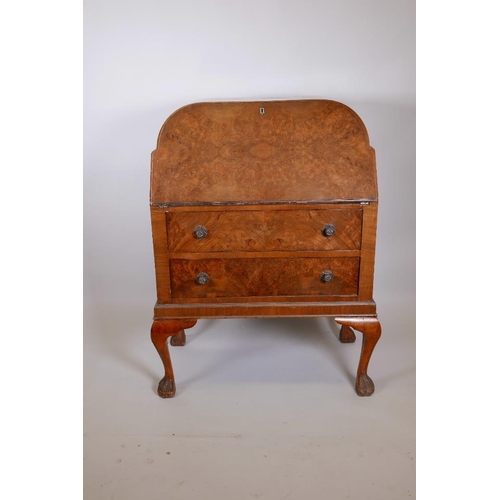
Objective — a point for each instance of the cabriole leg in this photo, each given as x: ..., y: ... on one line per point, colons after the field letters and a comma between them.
x: 371, y: 330
x: 160, y: 331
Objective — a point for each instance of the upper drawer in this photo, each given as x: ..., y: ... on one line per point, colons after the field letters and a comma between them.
x: 269, y: 230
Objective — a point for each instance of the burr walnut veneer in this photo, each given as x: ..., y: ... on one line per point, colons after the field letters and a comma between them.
x: 264, y: 209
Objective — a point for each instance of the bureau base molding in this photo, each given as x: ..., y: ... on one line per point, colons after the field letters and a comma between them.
x: 263, y: 309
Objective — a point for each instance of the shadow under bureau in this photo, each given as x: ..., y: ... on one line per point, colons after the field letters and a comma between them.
x: 264, y: 209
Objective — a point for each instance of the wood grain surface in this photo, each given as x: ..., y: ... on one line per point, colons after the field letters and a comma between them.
x: 264, y: 277
x: 259, y: 230
x: 230, y: 152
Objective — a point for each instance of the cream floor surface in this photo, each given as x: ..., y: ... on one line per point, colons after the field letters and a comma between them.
x: 265, y: 409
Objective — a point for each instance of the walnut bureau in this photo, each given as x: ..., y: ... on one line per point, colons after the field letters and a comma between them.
x: 264, y: 209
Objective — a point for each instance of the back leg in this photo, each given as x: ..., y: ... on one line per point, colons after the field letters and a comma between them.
x: 346, y: 336
x: 179, y: 339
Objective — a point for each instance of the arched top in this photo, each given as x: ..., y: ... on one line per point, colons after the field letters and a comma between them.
x: 263, y: 151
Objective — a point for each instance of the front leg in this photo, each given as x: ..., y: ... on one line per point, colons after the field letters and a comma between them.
x: 160, y: 331
x: 371, y: 330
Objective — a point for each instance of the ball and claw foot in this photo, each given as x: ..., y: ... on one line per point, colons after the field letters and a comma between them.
x: 166, y: 388
x: 364, y: 386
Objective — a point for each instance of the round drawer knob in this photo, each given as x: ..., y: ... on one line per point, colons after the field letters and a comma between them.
x: 328, y: 230
x: 326, y: 276
x: 200, y: 232
x: 202, y: 278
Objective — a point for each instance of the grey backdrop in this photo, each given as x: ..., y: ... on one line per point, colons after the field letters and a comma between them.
x: 265, y: 409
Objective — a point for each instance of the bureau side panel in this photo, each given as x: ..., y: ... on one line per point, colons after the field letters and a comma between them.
x: 160, y: 246
x: 368, y: 239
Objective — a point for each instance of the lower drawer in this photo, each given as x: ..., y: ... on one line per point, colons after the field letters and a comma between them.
x: 264, y: 277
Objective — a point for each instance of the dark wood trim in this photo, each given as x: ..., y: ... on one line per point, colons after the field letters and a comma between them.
x: 265, y: 204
